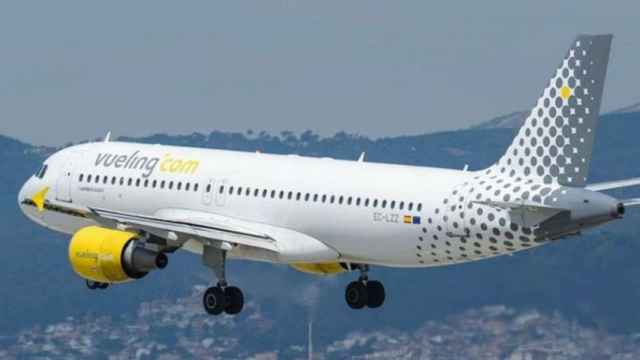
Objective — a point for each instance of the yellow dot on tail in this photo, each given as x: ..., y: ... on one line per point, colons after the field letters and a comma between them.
x: 565, y: 92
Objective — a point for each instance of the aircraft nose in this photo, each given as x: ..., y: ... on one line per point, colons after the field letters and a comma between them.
x: 22, y: 194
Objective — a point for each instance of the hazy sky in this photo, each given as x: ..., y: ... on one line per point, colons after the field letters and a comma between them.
x: 72, y: 70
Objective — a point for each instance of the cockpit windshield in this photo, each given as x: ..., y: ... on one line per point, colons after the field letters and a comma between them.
x: 43, y: 170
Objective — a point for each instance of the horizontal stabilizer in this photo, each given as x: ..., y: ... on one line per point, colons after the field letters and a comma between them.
x: 613, y: 184
x: 631, y: 202
x: 525, y: 213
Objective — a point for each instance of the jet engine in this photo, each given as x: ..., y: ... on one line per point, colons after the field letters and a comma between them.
x: 111, y: 256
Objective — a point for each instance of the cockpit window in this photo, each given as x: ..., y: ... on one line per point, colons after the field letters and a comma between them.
x: 43, y: 170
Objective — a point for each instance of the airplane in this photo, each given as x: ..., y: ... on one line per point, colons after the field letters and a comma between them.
x: 127, y: 206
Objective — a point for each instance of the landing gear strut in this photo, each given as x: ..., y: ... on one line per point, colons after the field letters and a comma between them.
x: 220, y: 298
x: 364, y: 292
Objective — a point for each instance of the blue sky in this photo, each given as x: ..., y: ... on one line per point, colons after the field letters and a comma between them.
x: 72, y: 70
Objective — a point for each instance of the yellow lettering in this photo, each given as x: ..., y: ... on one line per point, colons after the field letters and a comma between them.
x: 170, y: 165
x: 165, y: 162
x: 191, y: 166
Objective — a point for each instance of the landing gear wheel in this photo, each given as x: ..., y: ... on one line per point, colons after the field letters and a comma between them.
x: 375, y: 294
x: 92, y: 285
x: 356, y: 295
x: 235, y: 300
x: 214, y: 300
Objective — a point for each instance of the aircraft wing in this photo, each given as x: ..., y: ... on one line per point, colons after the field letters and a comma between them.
x: 527, y: 214
x: 211, y: 229
x: 613, y: 184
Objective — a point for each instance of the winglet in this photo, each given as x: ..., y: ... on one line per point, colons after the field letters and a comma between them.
x: 361, y: 158
x: 107, y: 138
x: 39, y: 198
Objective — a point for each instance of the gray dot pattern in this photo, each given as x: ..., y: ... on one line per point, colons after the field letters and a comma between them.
x: 556, y: 140
x: 549, y: 155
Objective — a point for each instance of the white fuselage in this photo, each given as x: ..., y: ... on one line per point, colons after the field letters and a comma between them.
x: 367, y: 212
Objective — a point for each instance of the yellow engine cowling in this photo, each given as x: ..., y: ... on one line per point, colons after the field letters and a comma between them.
x: 111, y: 256
x: 322, y: 269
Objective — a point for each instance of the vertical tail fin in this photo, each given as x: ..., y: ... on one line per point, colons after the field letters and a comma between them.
x: 555, y: 143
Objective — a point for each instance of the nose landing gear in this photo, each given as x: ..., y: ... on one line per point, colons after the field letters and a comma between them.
x: 364, y: 292
x: 93, y: 285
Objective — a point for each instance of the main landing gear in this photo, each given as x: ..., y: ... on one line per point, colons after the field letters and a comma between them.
x: 364, y: 292
x: 220, y: 298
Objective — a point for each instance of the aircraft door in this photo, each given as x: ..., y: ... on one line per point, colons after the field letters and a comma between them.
x: 221, y: 192
x: 457, y: 211
x: 207, y: 192
x: 65, y: 179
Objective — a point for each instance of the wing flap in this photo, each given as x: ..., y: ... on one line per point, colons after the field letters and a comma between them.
x: 191, y: 227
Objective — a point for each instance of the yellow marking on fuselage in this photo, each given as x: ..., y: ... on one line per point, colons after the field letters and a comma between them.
x: 173, y: 166
x: 39, y: 198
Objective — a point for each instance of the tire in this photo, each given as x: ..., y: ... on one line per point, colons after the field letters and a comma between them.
x: 235, y: 300
x: 356, y: 295
x: 376, y: 294
x: 103, y: 286
x: 214, y: 301
x: 92, y: 285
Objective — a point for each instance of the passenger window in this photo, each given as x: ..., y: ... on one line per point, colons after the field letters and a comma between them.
x: 89, y: 178
x: 324, y: 198
x: 349, y: 200
x: 121, y: 181
x: 366, y: 203
x: 357, y: 201
x: 393, y: 204
x: 401, y: 207
x: 187, y: 186
x: 80, y: 178
x: 146, y: 183
x: 130, y: 182
x: 315, y: 197
x: 273, y: 194
x: 162, y: 183
x: 419, y: 207
x: 154, y: 184
x: 333, y: 199
x: 281, y: 194
x: 170, y: 185
x: 306, y: 197
x: 195, y: 187
x: 410, y: 206
x: 290, y: 195
x: 230, y: 190
x: 375, y: 203
x: 208, y: 188
x: 97, y: 179
x: 137, y: 182
x: 298, y: 196
x: 264, y: 193
x: 239, y: 191
x: 247, y: 192
x: 113, y: 180
x: 341, y: 199
x: 105, y: 179
x: 221, y: 189
x: 256, y: 192
x: 179, y: 187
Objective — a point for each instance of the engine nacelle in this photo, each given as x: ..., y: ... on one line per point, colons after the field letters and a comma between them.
x: 111, y: 256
